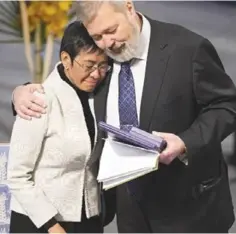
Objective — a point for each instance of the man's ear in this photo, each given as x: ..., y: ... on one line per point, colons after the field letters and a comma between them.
x: 130, y: 6
x: 65, y: 59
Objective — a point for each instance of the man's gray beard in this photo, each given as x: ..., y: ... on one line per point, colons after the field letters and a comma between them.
x: 127, y: 54
x: 130, y: 50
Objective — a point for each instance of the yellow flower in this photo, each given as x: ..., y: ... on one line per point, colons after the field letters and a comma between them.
x: 33, y: 9
x: 64, y: 5
x: 53, y: 14
x: 50, y: 10
x: 33, y: 21
x: 57, y: 26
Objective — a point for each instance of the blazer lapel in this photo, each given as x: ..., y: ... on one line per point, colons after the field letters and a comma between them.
x: 155, y: 71
x: 100, y: 99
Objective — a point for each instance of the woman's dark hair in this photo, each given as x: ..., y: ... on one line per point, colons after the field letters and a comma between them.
x: 75, y: 39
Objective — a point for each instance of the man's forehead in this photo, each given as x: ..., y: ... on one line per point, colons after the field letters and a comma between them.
x: 97, y: 26
x: 103, y: 20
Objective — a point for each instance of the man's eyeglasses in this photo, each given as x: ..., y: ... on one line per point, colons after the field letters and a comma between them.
x: 102, y: 68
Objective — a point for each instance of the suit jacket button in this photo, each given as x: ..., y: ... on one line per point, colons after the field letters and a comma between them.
x: 162, y: 46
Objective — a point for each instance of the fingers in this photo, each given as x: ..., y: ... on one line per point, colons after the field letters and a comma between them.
x: 39, y: 102
x: 161, y: 134
x: 22, y: 115
x: 175, y: 147
x: 40, y: 89
x: 33, y: 109
x: 168, y: 154
x: 27, y: 104
x: 28, y: 112
x: 155, y: 133
x: 166, y: 157
x: 36, y: 87
x: 37, y: 109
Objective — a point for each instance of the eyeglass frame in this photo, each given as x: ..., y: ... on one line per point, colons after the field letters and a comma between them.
x: 94, y: 67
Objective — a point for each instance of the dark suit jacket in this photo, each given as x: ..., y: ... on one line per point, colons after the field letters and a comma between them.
x: 186, y: 92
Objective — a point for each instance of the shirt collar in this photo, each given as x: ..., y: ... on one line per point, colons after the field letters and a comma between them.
x: 145, y: 34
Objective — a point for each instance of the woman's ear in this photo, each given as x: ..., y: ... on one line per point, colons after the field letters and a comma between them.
x: 65, y: 59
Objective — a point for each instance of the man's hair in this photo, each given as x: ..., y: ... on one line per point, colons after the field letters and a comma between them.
x: 86, y: 10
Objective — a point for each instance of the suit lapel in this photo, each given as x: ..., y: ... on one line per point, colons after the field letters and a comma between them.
x: 155, y: 70
x: 100, y: 99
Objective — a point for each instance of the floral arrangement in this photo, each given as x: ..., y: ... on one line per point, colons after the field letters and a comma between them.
x: 39, y: 24
x: 52, y: 14
x: 45, y: 20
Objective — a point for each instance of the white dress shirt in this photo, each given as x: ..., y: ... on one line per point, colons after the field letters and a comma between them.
x: 138, y: 68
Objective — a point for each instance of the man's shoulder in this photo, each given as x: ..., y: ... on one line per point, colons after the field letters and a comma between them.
x: 177, y: 34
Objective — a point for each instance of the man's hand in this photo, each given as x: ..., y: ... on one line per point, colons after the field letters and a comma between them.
x: 175, y: 147
x: 57, y: 228
x: 28, y: 105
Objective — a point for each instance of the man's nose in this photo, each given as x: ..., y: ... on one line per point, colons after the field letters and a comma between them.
x: 108, y: 42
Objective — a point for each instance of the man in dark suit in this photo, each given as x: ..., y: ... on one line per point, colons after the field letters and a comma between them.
x: 180, y: 92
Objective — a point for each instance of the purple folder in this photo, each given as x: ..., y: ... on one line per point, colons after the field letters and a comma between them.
x: 136, y: 137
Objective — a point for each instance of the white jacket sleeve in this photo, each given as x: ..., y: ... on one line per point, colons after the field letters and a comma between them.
x: 25, y: 147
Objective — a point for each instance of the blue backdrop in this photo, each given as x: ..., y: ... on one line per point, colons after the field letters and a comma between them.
x: 4, y: 192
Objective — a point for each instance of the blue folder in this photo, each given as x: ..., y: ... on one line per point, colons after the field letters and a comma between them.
x: 135, y: 136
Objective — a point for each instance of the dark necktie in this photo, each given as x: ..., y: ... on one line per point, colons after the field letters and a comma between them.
x: 127, y: 98
x: 127, y: 104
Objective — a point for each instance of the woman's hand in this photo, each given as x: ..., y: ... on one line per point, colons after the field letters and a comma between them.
x: 57, y: 228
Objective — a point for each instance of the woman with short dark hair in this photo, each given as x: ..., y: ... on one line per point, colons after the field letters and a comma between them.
x: 51, y: 174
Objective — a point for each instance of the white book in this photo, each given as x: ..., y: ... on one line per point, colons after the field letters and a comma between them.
x: 122, y: 162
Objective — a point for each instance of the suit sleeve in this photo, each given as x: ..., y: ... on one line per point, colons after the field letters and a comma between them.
x: 25, y: 147
x: 215, y: 94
